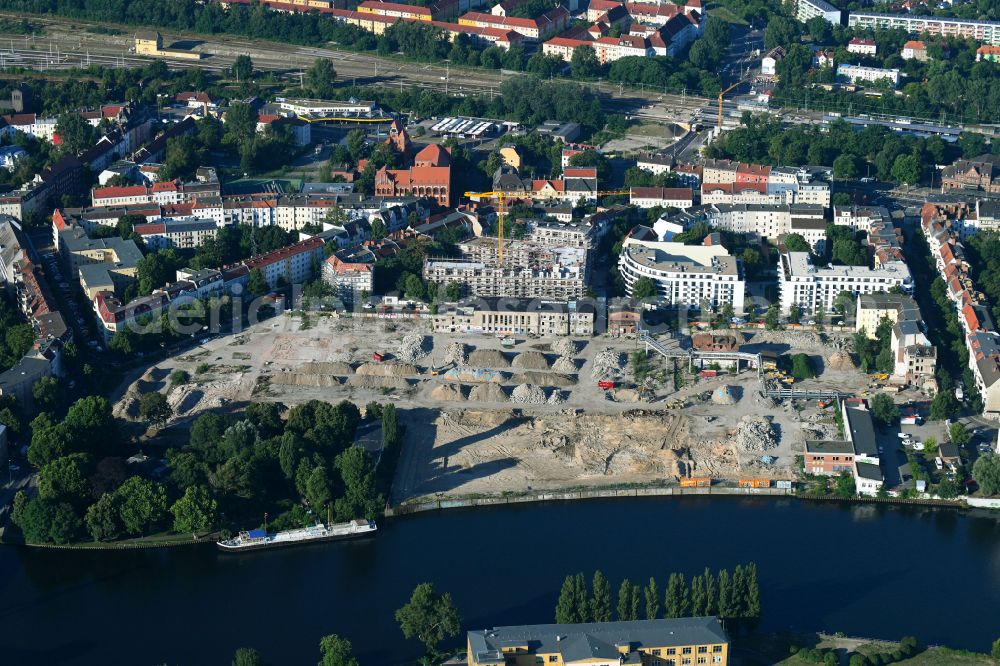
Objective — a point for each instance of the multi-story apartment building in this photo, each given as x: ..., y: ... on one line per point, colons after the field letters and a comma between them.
x: 30, y: 124
x: 807, y: 9
x: 695, y: 640
x: 350, y: 273
x: 289, y: 265
x: 987, y: 32
x: 689, y: 275
x: 667, y: 197
x: 180, y: 234
x: 807, y: 286
x: 863, y: 74
x: 862, y: 45
x: 163, y: 193
x: 536, y: 29
x: 515, y: 317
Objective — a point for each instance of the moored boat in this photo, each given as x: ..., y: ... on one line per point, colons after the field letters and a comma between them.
x: 257, y: 539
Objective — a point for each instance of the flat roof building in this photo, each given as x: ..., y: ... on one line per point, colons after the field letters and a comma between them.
x: 601, y: 643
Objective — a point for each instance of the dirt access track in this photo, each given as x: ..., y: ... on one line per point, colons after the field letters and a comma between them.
x: 482, y: 418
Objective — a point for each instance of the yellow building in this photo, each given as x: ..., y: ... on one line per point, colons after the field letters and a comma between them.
x: 148, y: 42
x: 691, y: 641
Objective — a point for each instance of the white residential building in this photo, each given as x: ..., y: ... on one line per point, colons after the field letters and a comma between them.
x: 683, y: 274
x: 862, y: 46
x: 807, y: 9
x: 985, y: 32
x: 807, y: 286
x: 291, y: 265
x: 856, y: 73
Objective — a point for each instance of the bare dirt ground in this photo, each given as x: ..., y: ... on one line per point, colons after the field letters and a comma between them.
x: 484, y: 419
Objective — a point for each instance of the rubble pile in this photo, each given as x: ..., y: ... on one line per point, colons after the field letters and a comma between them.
x: 455, y: 353
x: 527, y: 394
x: 755, y: 434
x: 564, y: 347
x: 607, y: 362
x: 413, y: 347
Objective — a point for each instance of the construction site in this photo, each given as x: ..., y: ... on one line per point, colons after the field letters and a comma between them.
x: 488, y: 415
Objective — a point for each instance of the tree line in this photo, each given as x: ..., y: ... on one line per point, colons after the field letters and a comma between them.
x: 298, y: 466
x: 733, y: 596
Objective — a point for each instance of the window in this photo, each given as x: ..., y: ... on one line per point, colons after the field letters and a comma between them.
x: 539, y: 660
x: 702, y: 649
x: 553, y: 658
x: 671, y: 650
x: 716, y: 648
x: 685, y: 661
x: 686, y: 650
x: 702, y: 660
x: 717, y: 659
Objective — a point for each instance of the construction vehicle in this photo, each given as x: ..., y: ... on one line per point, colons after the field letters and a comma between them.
x: 881, y: 376
x: 441, y: 368
x: 502, y: 211
x: 721, y: 95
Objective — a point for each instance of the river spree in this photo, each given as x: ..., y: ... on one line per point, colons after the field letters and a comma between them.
x: 865, y: 570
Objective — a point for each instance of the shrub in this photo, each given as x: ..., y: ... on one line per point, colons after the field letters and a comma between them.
x: 178, y: 377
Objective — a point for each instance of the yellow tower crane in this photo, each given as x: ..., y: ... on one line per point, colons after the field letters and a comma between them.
x: 721, y: 94
x: 501, y: 210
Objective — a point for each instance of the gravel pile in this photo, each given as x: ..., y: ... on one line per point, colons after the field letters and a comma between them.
x: 564, y: 347
x: 531, y: 360
x: 414, y: 347
x: 840, y: 361
x: 724, y: 396
x: 449, y: 392
x: 556, y: 398
x: 388, y: 369
x: 564, y: 364
x: 488, y: 358
x: 607, y: 363
x: 755, y: 434
x: 527, y: 394
x: 487, y: 393
x: 455, y: 353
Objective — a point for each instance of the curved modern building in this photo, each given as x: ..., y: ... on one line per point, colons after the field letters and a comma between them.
x: 683, y: 274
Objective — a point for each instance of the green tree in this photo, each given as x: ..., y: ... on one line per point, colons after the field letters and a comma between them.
x: 884, y: 409
x: 794, y: 314
x: 336, y: 651
x: 740, y: 590
x: 142, y: 504
x: 711, y: 593
x: 242, y: 68
x: 820, y: 316
x: 65, y: 480
x: 943, y: 406
x: 566, y: 605
x: 772, y: 320
x: 906, y: 169
x: 357, y: 473
x: 753, y: 607
x: 698, y: 599
x: 600, y: 602
x: 797, y: 243
x: 194, y: 511
x: 643, y: 288
x: 429, y: 617
x: 75, y: 133
x: 802, y: 367
x: 995, y: 652
x: 49, y: 440
x: 986, y: 472
x: 678, y: 600
x: 628, y: 601
x: 256, y: 284
x: 47, y: 393
x: 319, y: 79
x: 103, y: 520
x: 728, y: 607
x: 246, y: 656
x: 47, y: 521
x: 652, y: 599
x: 845, y: 166
x: 845, y: 486
x: 584, y: 63
x: 153, y: 407
x: 958, y: 435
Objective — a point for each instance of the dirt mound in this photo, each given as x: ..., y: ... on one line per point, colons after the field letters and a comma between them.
x: 564, y: 347
x: 840, y: 361
x: 531, y: 360
x: 327, y: 368
x: 488, y: 358
x: 449, y: 392
x: 564, y: 364
x: 545, y: 379
x: 487, y: 393
x: 625, y: 395
x: 527, y: 394
x: 556, y: 398
x: 724, y: 396
x: 377, y: 382
x: 305, y: 379
x: 389, y: 369
x: 184, y: 399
